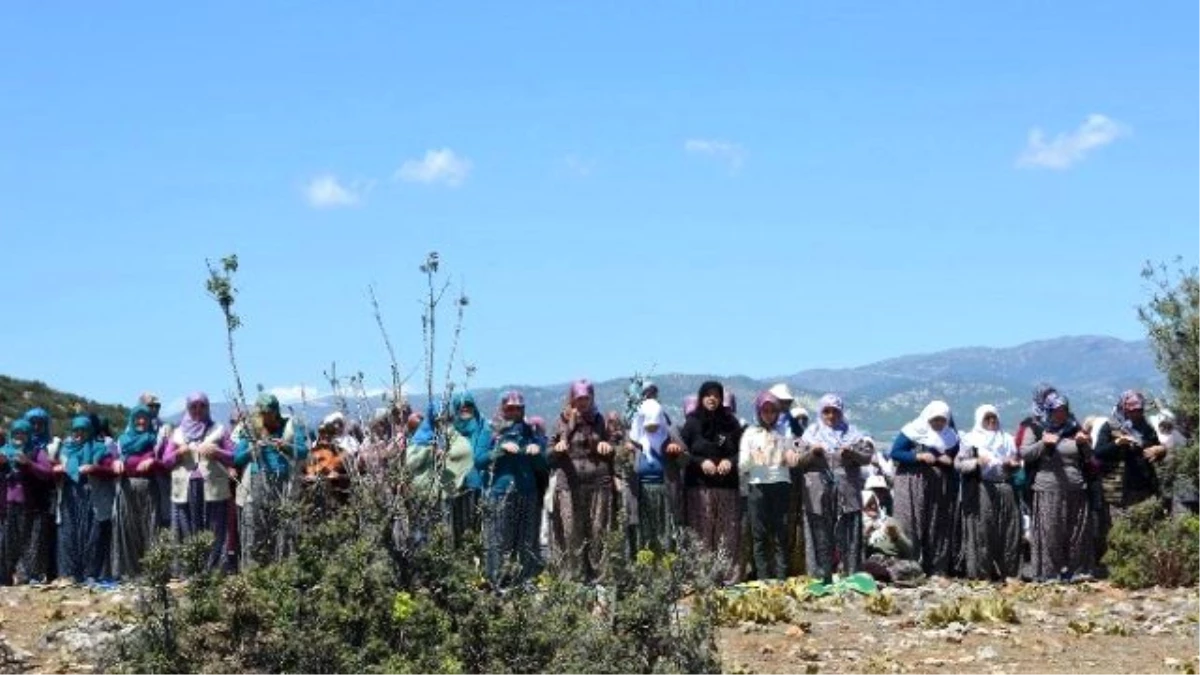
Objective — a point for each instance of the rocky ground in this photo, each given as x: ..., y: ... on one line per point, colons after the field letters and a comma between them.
x: 953, y: 627
x: 943, y: 627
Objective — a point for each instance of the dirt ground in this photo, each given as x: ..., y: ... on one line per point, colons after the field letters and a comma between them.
x: 1090, y: 628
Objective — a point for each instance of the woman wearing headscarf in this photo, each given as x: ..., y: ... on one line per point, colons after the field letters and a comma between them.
x: 83, y: 539
x: 923, y: 493
x: 30, y: 480
x: 1063, y: 541
x: 1127, y: 451
x: 1183, y: 497
x: 506, y: 468
x: 44, y: 441
x: 712, y: 435
x: 200, y: 452
x: 136, y: 512
x: 582, y: 466
x: 991, y: 519
x: 467, y: 434
x: 655, y: 446
x: 766, y: 453
x: 267, y: 450
x: 833, y: 455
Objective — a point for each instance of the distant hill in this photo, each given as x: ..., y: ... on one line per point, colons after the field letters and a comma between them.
x: 18, y: 396
x: 882, y: 396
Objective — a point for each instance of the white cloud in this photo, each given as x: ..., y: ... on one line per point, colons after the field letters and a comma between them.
x: 438, y: 166
x: 327, y: 192
x: 294, y: 393
x: 731, y: 153
x: 1068, y: 148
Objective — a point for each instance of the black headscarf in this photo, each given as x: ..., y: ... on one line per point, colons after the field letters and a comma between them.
x: 714, y: 422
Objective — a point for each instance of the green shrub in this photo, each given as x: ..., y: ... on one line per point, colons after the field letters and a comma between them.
x: 1147, y: 548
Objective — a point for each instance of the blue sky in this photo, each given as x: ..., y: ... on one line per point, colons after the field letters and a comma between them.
x: 756, y: 189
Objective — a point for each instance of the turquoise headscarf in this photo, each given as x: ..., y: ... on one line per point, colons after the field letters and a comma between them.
x: 41, y: 440
x: 134, y: 442
x: 468, y: 428
x: 81, y: 452
x: 13, y: 447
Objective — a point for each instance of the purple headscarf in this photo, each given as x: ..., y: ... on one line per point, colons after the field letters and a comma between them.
x: 581, y: 388
x: 689, y: 404
x: 831, y: 401
x: 193, y: 428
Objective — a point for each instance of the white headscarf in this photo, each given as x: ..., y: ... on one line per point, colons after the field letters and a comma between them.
x: 650, y: 412
x: 920, y: 432
x: 997, y: 445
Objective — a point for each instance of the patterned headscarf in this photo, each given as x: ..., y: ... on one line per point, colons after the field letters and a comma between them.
x: 1130, y: 400
x: 1040, y: 392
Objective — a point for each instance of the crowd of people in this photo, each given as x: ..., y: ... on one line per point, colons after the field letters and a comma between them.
x: 776, y: 496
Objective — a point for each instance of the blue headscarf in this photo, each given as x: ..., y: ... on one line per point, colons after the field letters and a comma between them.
x: 425, y: 433
x: 13, y: 448
x: 81, y: 452
x: 134, y: 442
x: 467, y: 428
x: 39, y: 441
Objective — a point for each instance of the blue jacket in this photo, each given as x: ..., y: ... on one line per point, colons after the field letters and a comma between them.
x: 501, y: 472
x: 273, y: 461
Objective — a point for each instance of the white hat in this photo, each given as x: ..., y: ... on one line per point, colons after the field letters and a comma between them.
x: 799, y: 411
x: 781, y: 392
x: 876, y: 481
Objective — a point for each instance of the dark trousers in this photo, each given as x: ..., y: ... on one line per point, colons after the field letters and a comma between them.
x: 769, y: 504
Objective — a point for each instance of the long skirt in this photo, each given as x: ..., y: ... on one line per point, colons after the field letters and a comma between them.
x: 27, y: 543
x: 580, y: 523
x: 797, y: 556
x: 768, y: 507
x: 511, y: 529
x: 833, y: 541
x: 656, y: 521
x: 991, y: 530
x: 1063, y: 535
x: 164, y: 507
x: 462, y: 515
x: 197, y: 515
x: 78, y: 534
x: 713, y: 514
x: 135, y: 522
x: 266, y: 536
x: 923, y: 509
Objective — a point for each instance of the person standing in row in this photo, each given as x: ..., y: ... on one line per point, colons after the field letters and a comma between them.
x: 136, y: 512
x: 200, y: 452
x: 712, y: 435
x: 991, y: 518
x: 266, y: 452
x: 833, y: 456
x: 506, y: 466
x: 924, y: 454
x: 656, y: 447
x: 582, y: 465
x: 29, y: 480
x: 766, y: 454
x: 1063, y: 542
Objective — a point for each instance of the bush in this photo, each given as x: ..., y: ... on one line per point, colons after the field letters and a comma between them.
x: 1147, y: 548
x: 360, y: 594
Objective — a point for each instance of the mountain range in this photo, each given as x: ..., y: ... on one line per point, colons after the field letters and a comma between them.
x: 880, y: 397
